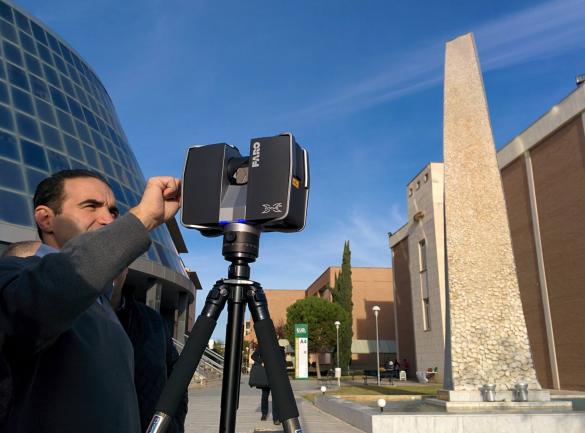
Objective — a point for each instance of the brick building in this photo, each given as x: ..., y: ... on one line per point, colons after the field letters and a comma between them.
x: 543, y: 175
x: 371, y: 286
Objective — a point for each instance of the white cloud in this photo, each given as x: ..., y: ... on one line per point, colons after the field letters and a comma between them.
x: 547, y: 30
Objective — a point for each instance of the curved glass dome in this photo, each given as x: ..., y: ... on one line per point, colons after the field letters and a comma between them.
x: 55, y: 114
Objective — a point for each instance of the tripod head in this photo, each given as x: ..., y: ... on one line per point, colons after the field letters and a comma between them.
x: 240, y: 247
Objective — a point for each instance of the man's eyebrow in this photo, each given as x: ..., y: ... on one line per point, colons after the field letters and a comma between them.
x: 92, y: 201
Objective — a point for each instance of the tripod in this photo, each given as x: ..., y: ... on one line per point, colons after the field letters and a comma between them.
x: 240, y: 247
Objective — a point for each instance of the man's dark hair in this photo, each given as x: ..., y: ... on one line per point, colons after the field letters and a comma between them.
x: 50, y: 191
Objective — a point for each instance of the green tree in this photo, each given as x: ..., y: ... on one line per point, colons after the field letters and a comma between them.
x: 320, y: 315
x: 342, y: 295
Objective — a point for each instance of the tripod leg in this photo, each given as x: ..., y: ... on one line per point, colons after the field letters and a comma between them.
x: 189, y: 360
x: 230, y: 387
x: 274, y: 362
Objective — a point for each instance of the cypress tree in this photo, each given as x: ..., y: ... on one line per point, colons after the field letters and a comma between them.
x: 342, y: 295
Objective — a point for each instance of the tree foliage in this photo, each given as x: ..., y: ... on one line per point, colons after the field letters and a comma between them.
x: 320, y: 315
x: 342, y: 295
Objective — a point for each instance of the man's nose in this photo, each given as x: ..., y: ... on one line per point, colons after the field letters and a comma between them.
x: 105, y: 216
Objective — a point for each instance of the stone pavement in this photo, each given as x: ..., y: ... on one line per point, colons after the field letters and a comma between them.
x: 204, y: 409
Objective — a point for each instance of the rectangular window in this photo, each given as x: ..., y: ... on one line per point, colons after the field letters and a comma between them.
x: 424, y: 284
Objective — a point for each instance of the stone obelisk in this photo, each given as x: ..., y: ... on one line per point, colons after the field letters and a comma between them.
x: 487, y: 341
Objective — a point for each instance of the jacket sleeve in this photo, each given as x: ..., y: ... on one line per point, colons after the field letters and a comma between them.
x: 41, y: 297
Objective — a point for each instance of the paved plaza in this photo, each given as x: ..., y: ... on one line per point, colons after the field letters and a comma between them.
x: 204, y: 408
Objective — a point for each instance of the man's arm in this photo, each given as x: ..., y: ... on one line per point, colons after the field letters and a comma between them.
x: 42, y: 297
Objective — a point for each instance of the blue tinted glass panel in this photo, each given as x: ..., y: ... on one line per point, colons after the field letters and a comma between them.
x: 99, y: 143
x: 12, y: 53
x: 2, y: 73
x: 51, y: 75
x: 27, y: 126
x: 65, y: 122
x: 8, y: 31
x: 38, y: 32
x: 90, y: 118
x: 58, y: 162
x: 73, y: 147
x: 73, y: 73
x: 162, y: 254
x: 39, y: 88
x: 91, y: 157
x: 45, y: 54
x: 17, y: 77
x: 8, y: 146
x: 107, y: 165
x: 53, y: 43
x: 66, y: 53
x: 33, y: 65
x: 52, y: 137
x: 22, y: 22
x: 75, y: 164
x: 27, y: 43
x: 59, y: 99
x: 129, y: 196
x: 118, y: 192
x: 82, y: 131
x: 67, y: 86
x: 4, y: 93
x: 6, y: 120
x: 118, y: 170
x: 34, y: 155
x: 22, y: 101
x: 45, y: 111
x: 60, y: 64
x: 81, y: 95
x: 5, y: 11
x: 33, y: 178
x: 75, y: 108
x: 152, y: 254
x: 11, y: 175
x: 15, y: 208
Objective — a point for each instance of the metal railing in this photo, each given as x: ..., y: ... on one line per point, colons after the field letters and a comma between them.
x: 210, y: 367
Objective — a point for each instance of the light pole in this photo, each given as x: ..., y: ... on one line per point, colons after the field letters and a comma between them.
x: 376, y: 310
x: 338, y: 370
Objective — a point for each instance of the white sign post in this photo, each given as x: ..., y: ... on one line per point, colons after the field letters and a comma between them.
x: 301, y: 351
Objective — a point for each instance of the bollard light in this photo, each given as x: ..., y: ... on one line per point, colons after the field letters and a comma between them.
x: 381, y: 404
x: 323, y: 389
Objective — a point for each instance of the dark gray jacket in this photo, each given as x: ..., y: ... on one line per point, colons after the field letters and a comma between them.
x: 71, y: 361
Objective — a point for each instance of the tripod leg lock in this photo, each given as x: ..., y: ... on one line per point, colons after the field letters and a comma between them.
x: 257, y: 303
x: 215, y: 301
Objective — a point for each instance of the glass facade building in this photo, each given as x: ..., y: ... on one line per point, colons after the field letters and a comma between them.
x: 56, y: 114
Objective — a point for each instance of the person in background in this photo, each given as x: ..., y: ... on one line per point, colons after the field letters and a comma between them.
x: 154, y: 353
x: 16, y: 249
x: 259, y: 379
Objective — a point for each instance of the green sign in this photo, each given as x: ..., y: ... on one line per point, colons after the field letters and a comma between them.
x: 301, y: 330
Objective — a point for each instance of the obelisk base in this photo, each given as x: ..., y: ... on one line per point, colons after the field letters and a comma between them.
x: 534, y: 395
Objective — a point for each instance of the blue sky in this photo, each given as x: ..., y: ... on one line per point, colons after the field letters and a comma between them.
x: 359, y: 83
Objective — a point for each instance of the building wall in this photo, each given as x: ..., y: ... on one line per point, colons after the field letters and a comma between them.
x: 425, y: 205
x: 278, y: 302
x: 405, y: 336
x: 559, y: 181
x: 515, y: 185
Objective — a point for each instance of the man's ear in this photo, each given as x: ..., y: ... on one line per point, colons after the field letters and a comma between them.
x: 44, y: 217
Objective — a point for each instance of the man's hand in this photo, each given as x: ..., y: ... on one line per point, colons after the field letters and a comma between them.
x: 160, y: 201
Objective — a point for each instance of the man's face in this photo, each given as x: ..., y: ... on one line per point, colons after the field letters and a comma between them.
x: 88, y: 204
